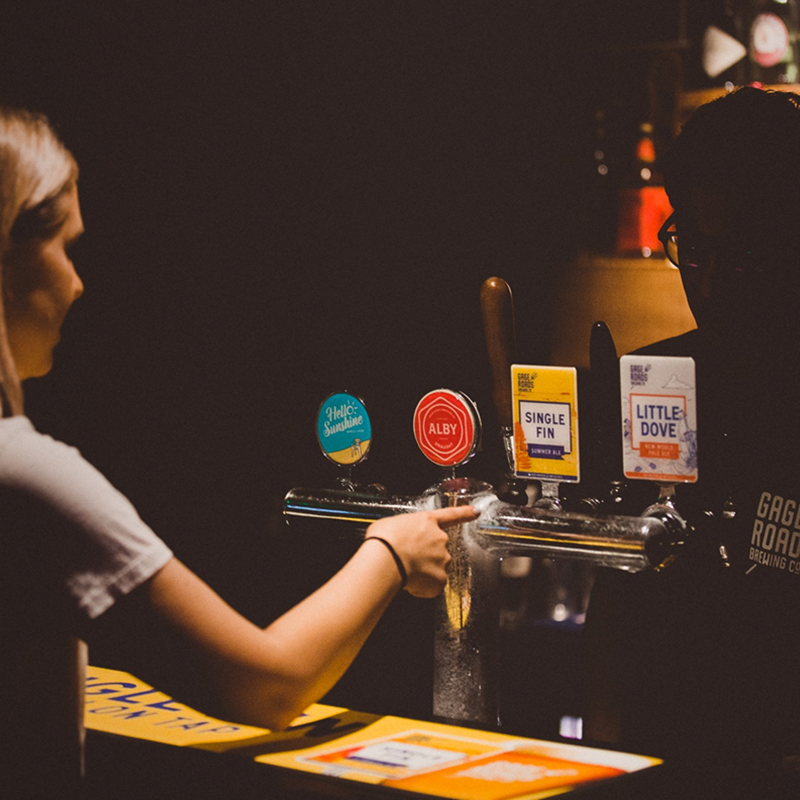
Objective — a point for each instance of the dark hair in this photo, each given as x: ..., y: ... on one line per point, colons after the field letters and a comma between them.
x: 747, y: 146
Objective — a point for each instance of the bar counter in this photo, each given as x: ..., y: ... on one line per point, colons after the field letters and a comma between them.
x: 142, y: 743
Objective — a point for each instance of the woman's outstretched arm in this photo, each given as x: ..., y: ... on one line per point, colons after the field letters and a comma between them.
x: 196, y: 647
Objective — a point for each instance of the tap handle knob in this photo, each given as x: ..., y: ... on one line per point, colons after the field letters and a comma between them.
x: 497, y: 307
x: 605, y: 390
x: 604, y: 366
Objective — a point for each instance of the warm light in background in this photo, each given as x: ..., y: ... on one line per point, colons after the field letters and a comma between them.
x: 640, y: 299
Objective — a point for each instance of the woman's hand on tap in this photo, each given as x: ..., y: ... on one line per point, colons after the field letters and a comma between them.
x: 420, y: 543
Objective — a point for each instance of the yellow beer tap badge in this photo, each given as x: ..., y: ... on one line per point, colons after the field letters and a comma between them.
x: 545, y: 401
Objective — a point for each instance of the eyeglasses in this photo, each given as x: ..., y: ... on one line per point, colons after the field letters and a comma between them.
x: 669, y: 240
x: 695, y: 252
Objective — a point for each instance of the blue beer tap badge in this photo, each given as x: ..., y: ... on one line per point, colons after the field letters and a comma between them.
x: 344, y: 431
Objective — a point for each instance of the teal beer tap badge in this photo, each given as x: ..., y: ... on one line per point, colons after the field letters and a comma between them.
x: 344, y: 431
x: 659, y: 418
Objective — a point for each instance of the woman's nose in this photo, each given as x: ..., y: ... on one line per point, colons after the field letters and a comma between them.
x: 77, y: 287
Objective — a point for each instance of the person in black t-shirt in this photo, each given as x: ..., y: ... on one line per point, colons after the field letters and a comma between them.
x: 701, y: 663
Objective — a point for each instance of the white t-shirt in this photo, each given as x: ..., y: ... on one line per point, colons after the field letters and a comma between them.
x: 70, y: 546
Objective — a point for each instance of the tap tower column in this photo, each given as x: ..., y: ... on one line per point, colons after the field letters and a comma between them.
x: 447, y: 428
x: 464, y: 683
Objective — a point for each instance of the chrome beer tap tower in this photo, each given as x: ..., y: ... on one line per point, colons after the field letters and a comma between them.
x: 467, y: 614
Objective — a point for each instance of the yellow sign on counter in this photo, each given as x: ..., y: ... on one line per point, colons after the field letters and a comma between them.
x: 424, y: 758
x: 545, y: 401
x: 117, y: 702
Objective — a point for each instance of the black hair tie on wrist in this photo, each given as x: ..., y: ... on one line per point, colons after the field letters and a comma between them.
x: 400, y: 568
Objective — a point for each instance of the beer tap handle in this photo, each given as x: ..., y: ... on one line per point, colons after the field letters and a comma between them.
x: 497, y: 308
x: 603, y: 359
x: 604, y: 378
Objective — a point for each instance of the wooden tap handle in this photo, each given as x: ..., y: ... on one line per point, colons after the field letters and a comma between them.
x: 497, y: 307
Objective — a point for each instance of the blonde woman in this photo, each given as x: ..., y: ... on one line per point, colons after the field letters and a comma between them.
x: 75, y: 553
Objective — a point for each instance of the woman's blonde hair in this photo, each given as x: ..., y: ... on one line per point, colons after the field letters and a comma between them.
x: 35, y: 170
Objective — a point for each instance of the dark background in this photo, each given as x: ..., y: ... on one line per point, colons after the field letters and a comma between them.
x: 283, y: 199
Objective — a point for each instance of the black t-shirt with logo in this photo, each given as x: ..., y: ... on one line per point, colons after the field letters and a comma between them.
x: 702, y: 660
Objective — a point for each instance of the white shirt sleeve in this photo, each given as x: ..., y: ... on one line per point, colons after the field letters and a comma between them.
x: 111, y: 550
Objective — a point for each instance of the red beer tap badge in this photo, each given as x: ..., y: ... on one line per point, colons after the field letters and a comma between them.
x: 447, y: 427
